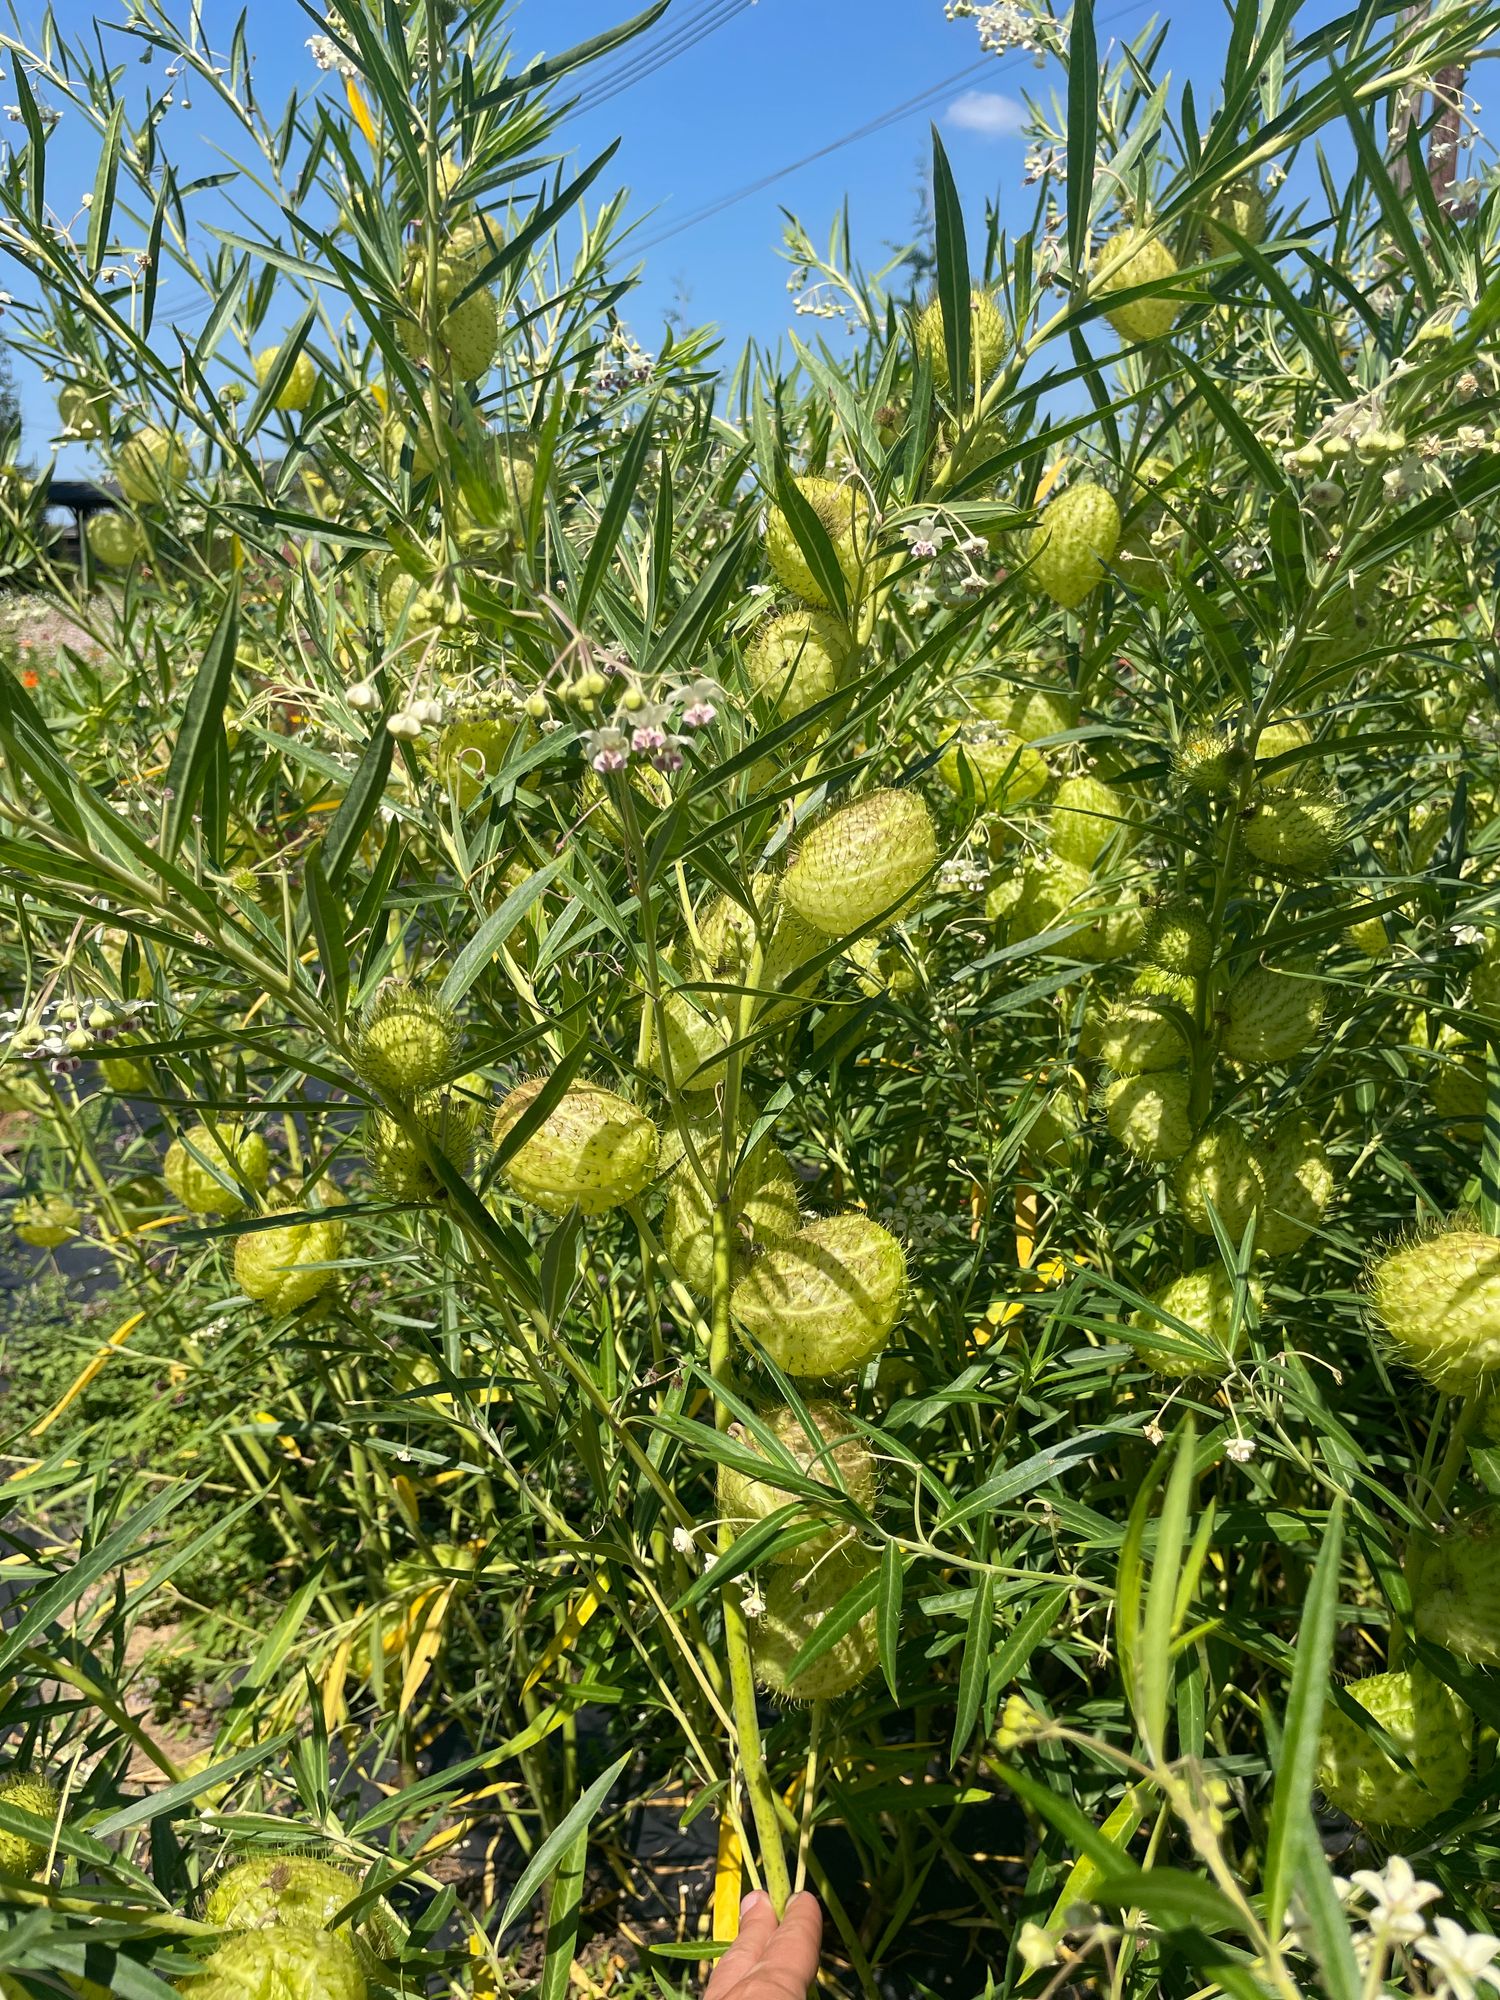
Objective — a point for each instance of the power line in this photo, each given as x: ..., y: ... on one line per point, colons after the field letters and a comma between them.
x: 676, y: 42
x: 878, y: 124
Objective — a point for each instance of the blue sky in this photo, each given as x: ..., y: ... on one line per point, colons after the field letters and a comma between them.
x: 773, y: 81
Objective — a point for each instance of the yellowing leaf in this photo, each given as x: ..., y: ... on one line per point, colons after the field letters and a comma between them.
x: 565, y: 1638
x: 425, y: 1651
x: 95, y: 1367
x: 728, y: 1876
x: 361, y: 110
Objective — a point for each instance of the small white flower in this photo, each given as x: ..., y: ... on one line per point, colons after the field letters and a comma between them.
x: 1239, y: 1450
x: 1467, y: 934
x: 1460, y: 1958
x: 363, y: 697
x: 403, y: 725
x: 751, y: 1602
x: 682, y: 1541
x: 427, y: 712
x: 1397, y: 1899
x: 1036, y: 1947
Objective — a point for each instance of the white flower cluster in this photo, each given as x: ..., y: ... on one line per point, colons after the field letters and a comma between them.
x: 621, y: 365
x: 63, y: 1031
x: 1004, y: 25
x: 954, y: 574
x: 1388, y: 1907
x: 649, y: 730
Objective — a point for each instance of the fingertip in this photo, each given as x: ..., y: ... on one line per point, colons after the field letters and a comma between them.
x: 756, y: 1899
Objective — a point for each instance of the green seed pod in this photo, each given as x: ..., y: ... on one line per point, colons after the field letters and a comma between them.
x: 861, y: 863
x: 1295, y: 832
x: 1210, y: 761
x: 284, y: 1268
x: 84, y: 413
x: 593, y: 1151
x: 835, y: 1455
x: 1272, y: 1015
x: 472, y: 750
x: 1087, y: 816
x: 1455, y: 1586
x: 127, y: 1076
x: 1484, y: 987
x: 1240, y: 206
x: 1003, y: 772
x: 1220, y: 1168
x: 1204, y: 1302
x: 1139, y: 1036
x: 405, y: 601
x: 1076, y: 536
x: 467, y: 333
x: 1438, y: 1298
x: 1151, y: 982
x: 793, y: 943
x: 796, y: 659
x: 1280, y: 739
x: 1298, y: 1178
x: 449, y: 1119
x: 20, y: 1854
x: 845, y: 514
x: 408, y: 1041
x: 115, y: 540
x: 1133, y: 257
x: 205, y: 1171
x: 1431, y: 1727
x: 286, y: 1962
x: 301, y: 1890
x: 46, y: 1220
x: 1055, y: 1135
x: 1177, y: 940
x: 823, y: 1301
x: 797, y: 1602
x: 1029, y: 712
x: 987, y: 338
x: 764, y: 1210
x: 152, y: 465
x: 1369, y: 937
x: 1461, y: 1089
x: 297, y: 390
x: 1102, y: 924
x: 695, y: 1033
x: 1148, y: 1115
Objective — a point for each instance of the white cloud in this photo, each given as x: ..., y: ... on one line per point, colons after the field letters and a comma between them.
x: 988, y: 112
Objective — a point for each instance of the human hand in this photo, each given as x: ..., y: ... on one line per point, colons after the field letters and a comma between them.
x: 770, y: 1960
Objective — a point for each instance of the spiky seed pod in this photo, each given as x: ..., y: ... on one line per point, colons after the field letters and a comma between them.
x: 796, y: 659
x: 1148, y: 1115
x: 1295, y: 832
x: 1350, y: 628
x: 1298, y: 1178
x: 19, y: 1853
x: 689, y: 1041
x: 1139, y: 1036
x: 797, y: 1602
x: 127, y: 1076
x: 885, y: 965
x: 1439, y: 1300
x: 593, y: 1151
x: 301, y: 1890
x: 297, y: 390
x: 835, y: 1455
x: 1272, y: 1015
x: 467, y: 330
x: 1133, y: 257
x: 152, y: 465
x: 207, y: 1184
x: 1102, y: 924
x: 1455, y: 1585
x: 472, y: 750
x: 1431, y: 1728
x: 1280, y: 739
x: 1002, y: 771
x: 1154, y: 982
x: 823, y: 1301
x: 284, y: 1268
x: 792, y: 945
x: 1203, y: 1301
x: 1087, y: 815
x: 1029, y: 712
x: 406, y: 601
x: 449, y: 1119
x: 1177, y: 939
x: 845, y: 514
x: 46, y: 1220
x: 408, y: 1041
x: 763, y: 1210
x: 987, y: 338
x: 285, y: 1962
x: 1210, y: 761
x: 1220, y: 1168
x: 115, y: 540
x: 1076, y: 536
x: 861, y: 863
x: 1240, y: 206
x: 1055, y: 1136
x: 1369, y: 937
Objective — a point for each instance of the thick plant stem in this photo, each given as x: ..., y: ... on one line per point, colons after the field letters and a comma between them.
x: 736, y: 1638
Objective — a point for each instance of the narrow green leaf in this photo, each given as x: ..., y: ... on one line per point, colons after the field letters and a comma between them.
x: 615, y: 512
x: 1083, y: 128
x: 538, y: 74
x: 888, y: 1614
x: 495, y: 929
x: 1151, y: 1695
x: 562, y: 1920
x: 357, y: 807
x: 559, y: 1843
x: 812, y: 538
x: 973, y: 1674
x: 327, y: 916
x: 1291, y: 1829
x: 102, y: 207
x: 202, y: 724
x: 952, y: 274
